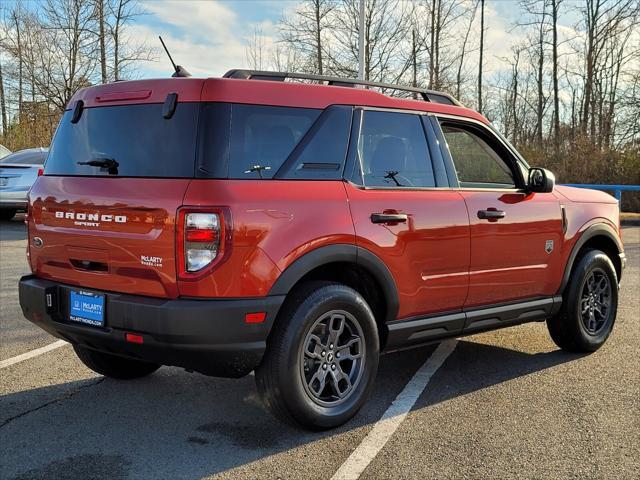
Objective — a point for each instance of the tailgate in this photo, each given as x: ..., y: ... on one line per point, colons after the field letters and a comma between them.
x: 113, y: 234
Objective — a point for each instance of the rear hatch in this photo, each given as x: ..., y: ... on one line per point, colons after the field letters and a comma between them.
x: 104, y: 212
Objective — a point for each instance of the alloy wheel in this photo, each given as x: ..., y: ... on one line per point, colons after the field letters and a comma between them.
x: 595, y: 301
x: 332, y: 358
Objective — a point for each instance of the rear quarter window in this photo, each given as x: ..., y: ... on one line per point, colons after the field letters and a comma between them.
x: 250, y: 141
x: 138, y: 137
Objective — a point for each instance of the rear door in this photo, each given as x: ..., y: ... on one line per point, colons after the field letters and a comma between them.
x: 515, y: 236
x: 404, y: 213
x: 110, y: 225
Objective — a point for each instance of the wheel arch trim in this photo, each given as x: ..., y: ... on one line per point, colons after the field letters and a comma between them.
x: 593, y: 231
x: 341, y: 253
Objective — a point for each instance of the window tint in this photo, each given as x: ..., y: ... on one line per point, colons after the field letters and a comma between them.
x: 31, y: 156
x: 393, y: 151
x: 321, y: 154
x: 477, y: 164
x: 136, y: 136
x: 263, y: 137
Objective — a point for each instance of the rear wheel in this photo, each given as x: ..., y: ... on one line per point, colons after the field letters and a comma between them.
x: 322, y: 357
x: 7, y: 214
x: 589, y: 305
x: 113, y: 366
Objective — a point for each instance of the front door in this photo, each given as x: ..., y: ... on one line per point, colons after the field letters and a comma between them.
x: 420, y: 231
x: 515, y: 236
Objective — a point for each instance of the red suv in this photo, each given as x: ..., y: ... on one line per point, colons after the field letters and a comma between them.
x: 299, y: 229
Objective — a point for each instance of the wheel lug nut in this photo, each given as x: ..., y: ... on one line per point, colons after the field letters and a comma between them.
x: 338, y: 355
x: 324, y: 366
x: 323, y: 353
x: 333, y: 367
x: 331, y: 346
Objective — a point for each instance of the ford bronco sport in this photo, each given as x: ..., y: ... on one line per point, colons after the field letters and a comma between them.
x: 299, y: 229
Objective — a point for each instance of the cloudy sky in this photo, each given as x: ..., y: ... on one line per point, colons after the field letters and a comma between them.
x: 210, y: 37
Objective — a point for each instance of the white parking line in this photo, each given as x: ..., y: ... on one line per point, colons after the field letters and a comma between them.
x: 32, y: 353
x: 362, y: 456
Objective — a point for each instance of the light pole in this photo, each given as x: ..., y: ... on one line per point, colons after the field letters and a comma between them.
x: 361, y: 43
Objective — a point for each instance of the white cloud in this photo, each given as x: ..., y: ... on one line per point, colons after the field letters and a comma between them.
x: 207, y: 38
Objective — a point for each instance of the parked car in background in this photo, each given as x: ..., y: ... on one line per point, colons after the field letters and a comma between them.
x: 18, y: 172
x: 4, y: 151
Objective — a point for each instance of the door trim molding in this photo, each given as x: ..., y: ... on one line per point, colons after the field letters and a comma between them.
x: 418, y: 331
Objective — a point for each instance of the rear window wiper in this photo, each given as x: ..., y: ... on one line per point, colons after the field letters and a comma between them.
x: 257, y: 168
x: 110, y: 164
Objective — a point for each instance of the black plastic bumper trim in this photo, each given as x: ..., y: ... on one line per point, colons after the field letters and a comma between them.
x: 208, y: 336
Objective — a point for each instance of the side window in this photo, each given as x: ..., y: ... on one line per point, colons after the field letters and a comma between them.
x: 477, y: 163
x: 393, y: 151
x: 321, y: 153
x: 262, y: 138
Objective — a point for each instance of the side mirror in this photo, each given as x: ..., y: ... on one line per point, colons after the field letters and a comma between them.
x: 541, y: 180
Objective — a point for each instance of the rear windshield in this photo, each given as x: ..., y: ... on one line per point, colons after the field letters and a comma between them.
x: 26, y: 157
x: 137, y: 137
x: 203, y: 140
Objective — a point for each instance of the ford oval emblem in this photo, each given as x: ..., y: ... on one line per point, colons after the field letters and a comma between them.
x: 37, y: 242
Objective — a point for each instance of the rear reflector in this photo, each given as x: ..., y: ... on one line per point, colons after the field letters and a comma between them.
x: 133, y: 338
x: 257, y: 317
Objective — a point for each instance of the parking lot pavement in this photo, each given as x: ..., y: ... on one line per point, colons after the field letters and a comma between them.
x: 505, y: 404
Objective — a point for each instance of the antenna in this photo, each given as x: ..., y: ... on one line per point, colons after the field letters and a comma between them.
x: 179, y: 70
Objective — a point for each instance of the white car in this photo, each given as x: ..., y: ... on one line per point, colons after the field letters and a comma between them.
x: 18, y: 172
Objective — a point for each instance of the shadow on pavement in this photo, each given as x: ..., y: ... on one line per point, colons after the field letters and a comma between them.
x: 177, y: 425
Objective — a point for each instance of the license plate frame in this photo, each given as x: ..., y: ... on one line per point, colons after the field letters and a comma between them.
x: 87, y: 308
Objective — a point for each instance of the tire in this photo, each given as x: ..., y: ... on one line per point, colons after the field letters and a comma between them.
x: 7, y: 214
x: 574, y: 330
x: 314, y: 389
x: 113, y: 366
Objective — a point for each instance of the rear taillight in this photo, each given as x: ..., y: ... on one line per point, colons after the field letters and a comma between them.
x: 201, y: 235
x: 201, y: 240
x: 40, y: 172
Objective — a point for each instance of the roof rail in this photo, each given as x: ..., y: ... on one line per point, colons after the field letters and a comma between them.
x: 427, y: 95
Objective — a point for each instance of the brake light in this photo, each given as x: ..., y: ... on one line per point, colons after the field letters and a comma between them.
x: 200, y: 240
x: 40, y: 172
x: 202, y: 233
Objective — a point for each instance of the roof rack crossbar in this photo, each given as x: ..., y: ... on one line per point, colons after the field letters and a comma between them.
x: 427, y: 95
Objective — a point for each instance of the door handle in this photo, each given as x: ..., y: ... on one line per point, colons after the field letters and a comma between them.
x: 491, y: 214
x: 389, y: 218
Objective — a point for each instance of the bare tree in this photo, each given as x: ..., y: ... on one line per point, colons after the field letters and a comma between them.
x: 256, y: 50
x: 102, y: 39
x: 305, y: 32
x: 386, y: 36
x: 3, y: 103
x: 555, y: 11
x: 481, y: 55
x: 602, y: 19
x: 124, y: 55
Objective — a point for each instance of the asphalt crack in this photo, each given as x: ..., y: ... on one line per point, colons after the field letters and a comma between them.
x: 64, y: 397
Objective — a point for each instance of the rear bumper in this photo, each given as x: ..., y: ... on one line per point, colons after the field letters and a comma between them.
x: 14, y: 198
x: 208, y: 336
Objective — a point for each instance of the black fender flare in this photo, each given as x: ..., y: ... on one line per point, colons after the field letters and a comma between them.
x: 596, y: 230
x: 339, y: 253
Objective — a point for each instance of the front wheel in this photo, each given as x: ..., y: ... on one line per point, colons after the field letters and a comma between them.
x: 113, y: 366
x: 589, y: 305
x: 322, y: 357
